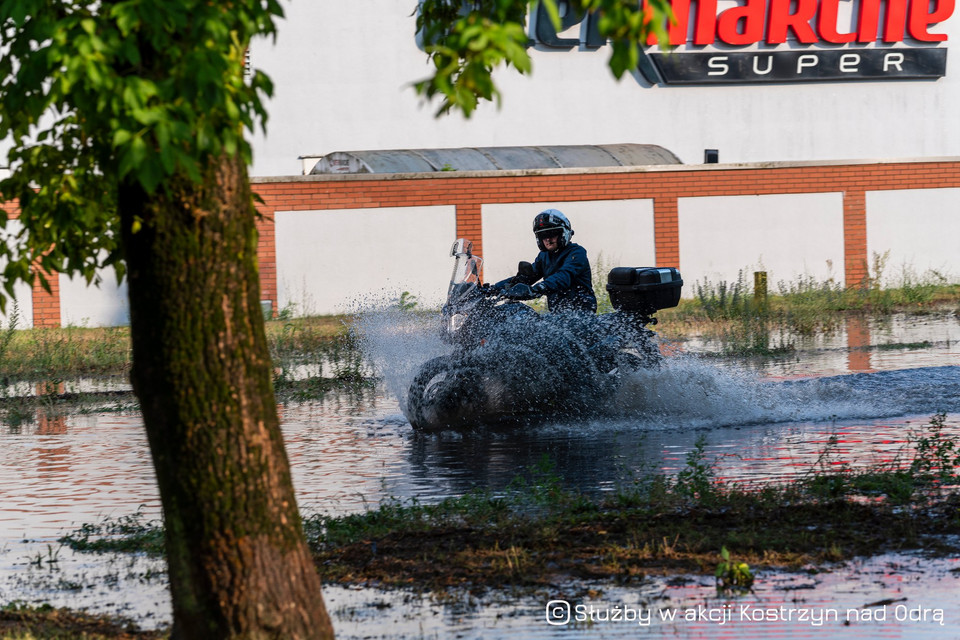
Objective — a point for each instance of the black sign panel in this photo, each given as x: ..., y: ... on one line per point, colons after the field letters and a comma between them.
x: 811, y: 65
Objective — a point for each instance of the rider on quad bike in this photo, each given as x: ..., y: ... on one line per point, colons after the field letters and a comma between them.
x: 562, y: 269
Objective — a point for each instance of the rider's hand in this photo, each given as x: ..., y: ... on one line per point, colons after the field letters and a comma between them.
x: 519, y: 292
x: 539, y: 289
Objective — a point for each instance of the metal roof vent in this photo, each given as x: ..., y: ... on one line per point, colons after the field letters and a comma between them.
x: 494, y: 158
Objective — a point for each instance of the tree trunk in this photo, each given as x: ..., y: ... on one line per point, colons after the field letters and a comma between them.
x: 238, y: 563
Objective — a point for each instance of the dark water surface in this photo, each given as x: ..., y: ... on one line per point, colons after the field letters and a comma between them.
x: 760, y: 422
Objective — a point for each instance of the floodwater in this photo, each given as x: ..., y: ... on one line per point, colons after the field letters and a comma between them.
x: 765, y: 421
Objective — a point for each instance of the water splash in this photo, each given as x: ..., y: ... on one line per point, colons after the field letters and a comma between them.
x: 696, y: 392
x: 687, y: 391
x: 397, y: 343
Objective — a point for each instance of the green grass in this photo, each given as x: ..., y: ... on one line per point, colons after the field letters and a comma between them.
x: 20, y: 621
x: 745, y: 324
x: 132, y: 533
x: 48, y: 360
x: 54, y: 354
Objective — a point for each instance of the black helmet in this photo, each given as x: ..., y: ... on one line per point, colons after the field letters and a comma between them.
x: 549, y: 222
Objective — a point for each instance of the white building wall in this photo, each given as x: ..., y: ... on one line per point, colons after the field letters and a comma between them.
x: 919, y: 228
x: 614, y: 233
x: 103, y: 305
x: 336, y: 261
x: 22, y: 302
x: 343, y: 73
x: 22, y: 305
x: 788, y: 236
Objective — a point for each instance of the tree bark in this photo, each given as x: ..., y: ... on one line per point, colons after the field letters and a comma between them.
x: 238, y: 563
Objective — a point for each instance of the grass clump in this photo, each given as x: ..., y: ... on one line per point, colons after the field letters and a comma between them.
x: 130, y: 534
x: 747, y: 322
x: 311, y: 357
x: 53, y: 354
x: 19, y: 621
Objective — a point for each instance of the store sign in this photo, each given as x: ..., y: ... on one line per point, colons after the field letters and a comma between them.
x: 783, y: 40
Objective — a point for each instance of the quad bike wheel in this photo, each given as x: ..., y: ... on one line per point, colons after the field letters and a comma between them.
x: 443, y: 394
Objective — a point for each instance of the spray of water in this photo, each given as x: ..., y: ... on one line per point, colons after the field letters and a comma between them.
x: 697, y: 392
x: 686, y: 391
x: 397, y: 343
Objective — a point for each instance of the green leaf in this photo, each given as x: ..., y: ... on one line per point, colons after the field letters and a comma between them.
x: 121, y: 137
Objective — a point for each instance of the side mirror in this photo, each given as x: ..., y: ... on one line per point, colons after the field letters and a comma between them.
x: 462, y: 247
x: 525, y: 271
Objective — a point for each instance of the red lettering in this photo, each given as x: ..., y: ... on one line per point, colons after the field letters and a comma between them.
x: 921, y: 18
x: 781, y: 19
x: 895, y: 20
x: 751, y: 14
x: 868, y: 21
x: 706, y: 24
x: 827, y: 23
x: 893, y: 23
x: 744, y: 24
x: 706, y: 29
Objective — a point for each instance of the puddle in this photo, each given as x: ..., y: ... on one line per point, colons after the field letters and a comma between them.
x: 351, y: 450
x: 908, y: 596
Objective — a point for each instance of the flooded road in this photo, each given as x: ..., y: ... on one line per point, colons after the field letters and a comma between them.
x: 761, y: 422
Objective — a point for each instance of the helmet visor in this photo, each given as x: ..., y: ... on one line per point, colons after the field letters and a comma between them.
x: 546, y: 234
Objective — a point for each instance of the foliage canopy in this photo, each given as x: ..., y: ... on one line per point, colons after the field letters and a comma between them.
x: 94, y: 93
x: 467, y: 39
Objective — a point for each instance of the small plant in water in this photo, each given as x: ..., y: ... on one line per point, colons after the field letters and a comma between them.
x: 130, y: 533
x: 935, y: 454
x: 407, y: 302
x: 696, y: 480
x: 732, y: 576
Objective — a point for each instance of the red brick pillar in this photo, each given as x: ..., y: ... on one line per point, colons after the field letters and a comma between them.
x: 267, y: 256
x: 469, y: 225
x: 666, y: 232
x: 46, y: 305
x: 856, y: 270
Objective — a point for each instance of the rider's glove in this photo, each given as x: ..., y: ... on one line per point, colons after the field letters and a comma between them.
x: 519, y: 292
x: 539, y: 289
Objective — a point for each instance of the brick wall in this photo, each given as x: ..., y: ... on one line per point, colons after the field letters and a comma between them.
x: 664, y: 185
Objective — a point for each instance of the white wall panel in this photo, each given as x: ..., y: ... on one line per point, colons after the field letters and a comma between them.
x: 23, y: 305
x: 614, y: 233
x: 23, y: 293
x: 332, y: 261
x: 83, y: 305
x: 787, y: 236
x: 920, y: 228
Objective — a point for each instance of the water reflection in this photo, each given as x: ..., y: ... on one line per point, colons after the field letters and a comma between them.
x: 891, y: 596
x: 351, y: 450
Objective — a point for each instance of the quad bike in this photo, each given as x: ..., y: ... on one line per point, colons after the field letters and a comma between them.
x: 512, y: 364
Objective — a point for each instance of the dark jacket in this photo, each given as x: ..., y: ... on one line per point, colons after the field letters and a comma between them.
x: 567, y: 279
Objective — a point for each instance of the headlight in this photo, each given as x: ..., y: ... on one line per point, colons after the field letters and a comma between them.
x: 456, y: 321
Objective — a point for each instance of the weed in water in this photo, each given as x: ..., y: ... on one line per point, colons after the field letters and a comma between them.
x: 936, y: 455
x: 732, y: 576
x: 407, y: 302
x: 696, y: 480
x: 131, y: 533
